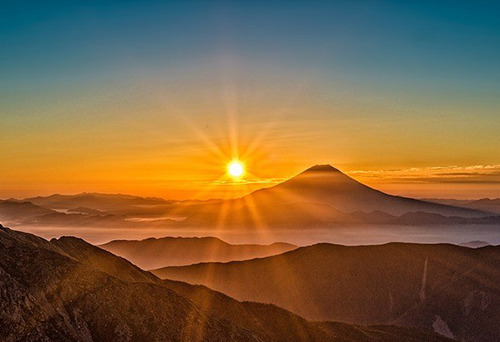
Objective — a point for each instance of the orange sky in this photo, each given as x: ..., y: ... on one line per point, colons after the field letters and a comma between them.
x: 95, y: 108
x: 178, y: 148
x: 149, y: 139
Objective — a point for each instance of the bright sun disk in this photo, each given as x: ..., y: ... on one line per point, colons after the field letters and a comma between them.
x: 235, y: 169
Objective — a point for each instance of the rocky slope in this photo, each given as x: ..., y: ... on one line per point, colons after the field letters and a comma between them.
x: 451, y: 289
x: 68, y: 290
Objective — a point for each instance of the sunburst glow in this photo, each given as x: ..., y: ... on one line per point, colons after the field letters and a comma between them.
x: 235, y: 169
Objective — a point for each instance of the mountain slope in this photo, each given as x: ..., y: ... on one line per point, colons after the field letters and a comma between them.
x: 323, y: 184
x: 111, y: 203
x: 443, y: 287
x: 285, y: 326
x: 68, y: 290
x: 15, y: 212
x: 321, y: 196
x: 49, y: 296
x: 483, y: 204
x: 169, y: 251
x: 475, y: 244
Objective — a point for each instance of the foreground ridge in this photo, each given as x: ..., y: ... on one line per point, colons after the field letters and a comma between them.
x: 68, y: 290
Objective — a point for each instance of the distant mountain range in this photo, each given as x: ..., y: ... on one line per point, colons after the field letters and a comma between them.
x: 15, y: 212
x: 67, y: 290
x: 104, y: 202
x: 475, y: 244
x: 483, y: 204
x: 451, y: 289
x: 321, y: 196
x: 154, y: 253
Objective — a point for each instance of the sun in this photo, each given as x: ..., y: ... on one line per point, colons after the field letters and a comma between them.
x: 235, y: 169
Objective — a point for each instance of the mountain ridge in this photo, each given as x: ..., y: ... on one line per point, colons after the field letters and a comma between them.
x: 67, y: 290
x: 395, y: 283
x: 320, y: 196
x: 168, y: 251
x: 327, y: 185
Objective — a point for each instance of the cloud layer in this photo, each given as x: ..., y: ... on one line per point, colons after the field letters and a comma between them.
x: 471, y: 174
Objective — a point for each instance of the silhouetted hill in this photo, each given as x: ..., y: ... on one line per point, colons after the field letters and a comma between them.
x: 47, y: 295
x: 320, y: 196
x: 283, y: 325
x: 14, y: 212
x: 324, y: 184
x: 475, y: 244
x: 68, y: 290
x: 103, y: 202
x: 448, y: 288
x: 176, y: 251
x: 309, y: 215
x: 483, y: 204
x: 486, y: 204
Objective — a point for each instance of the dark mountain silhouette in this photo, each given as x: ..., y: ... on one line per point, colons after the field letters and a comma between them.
x: 305, y: 215
x: 475, y: 244
x: 68, y: 290
x: 324, y: 184
x: 103, y: 202
x: 486, y: 204
x: 295, y: 215
x: 451, y: 289
x: 14, y: 212
x: 176, y: 251
x: 420, y: 218
x: 323, y: 196
x: 320, y: 196
x: 119, y: 205
x: 483, y: 204
x: 22, y: 213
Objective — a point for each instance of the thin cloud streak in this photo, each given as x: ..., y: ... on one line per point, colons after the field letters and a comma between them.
x: 477, y: 174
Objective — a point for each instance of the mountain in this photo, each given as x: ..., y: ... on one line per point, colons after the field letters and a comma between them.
x: 451, y: 289
x: 15, y: 212
x: 324, y: 184
x: 125, y: 206
x: 486, y: 204
x: 68, y: 290
x: 111, y: 203
x: 483, y: 204
x: 421, y: 218
x: 475, y: 244
x: 310, y: 215
x: 177, y: 251
x: 321, y: 196
x: 23, y: 213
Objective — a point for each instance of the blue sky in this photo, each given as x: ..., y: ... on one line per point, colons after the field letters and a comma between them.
x: 398, y: 41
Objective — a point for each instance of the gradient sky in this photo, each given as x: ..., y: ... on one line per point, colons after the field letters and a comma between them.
x: 155, y: 97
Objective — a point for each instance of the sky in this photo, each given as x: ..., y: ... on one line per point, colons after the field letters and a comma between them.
x: 156, y: 97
